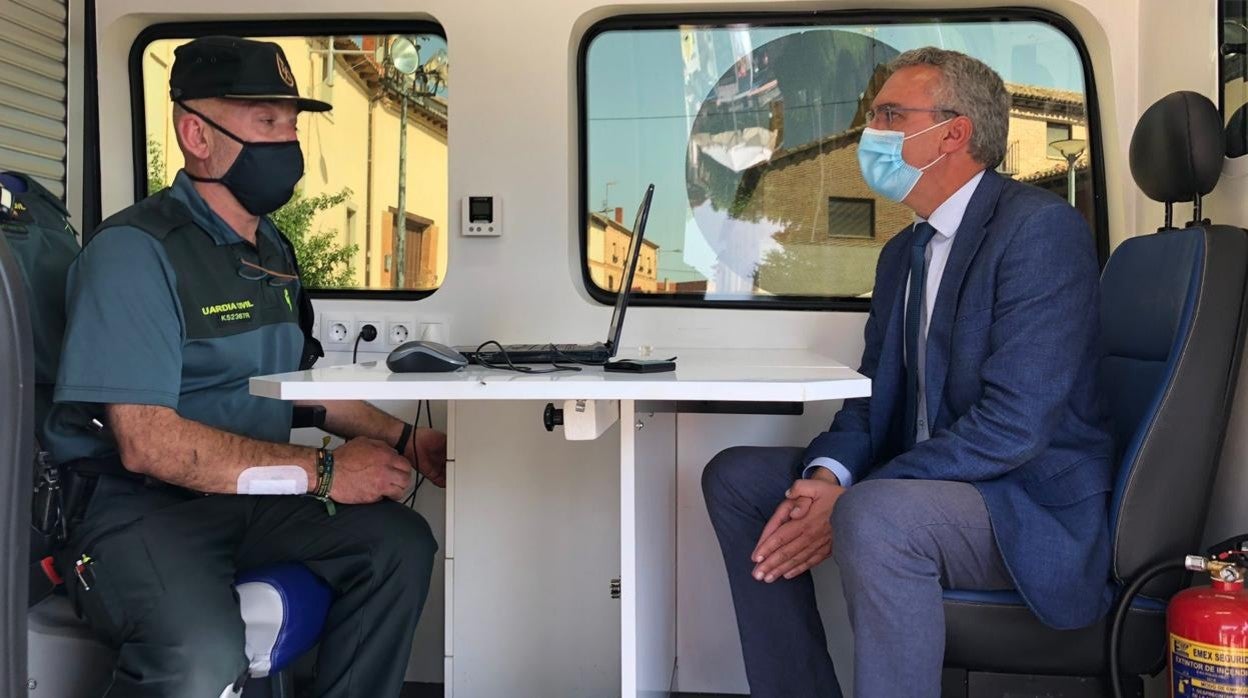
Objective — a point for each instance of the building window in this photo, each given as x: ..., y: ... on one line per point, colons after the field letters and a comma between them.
x: 352, y: 221
x: 1055, y: 133
x: 851, y: 218
x: 748, y: 126
x: 343, y: 216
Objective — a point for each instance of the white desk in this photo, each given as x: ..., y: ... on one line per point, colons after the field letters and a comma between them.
x: 534, y: 538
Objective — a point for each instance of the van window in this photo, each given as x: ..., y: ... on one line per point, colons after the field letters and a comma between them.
x: 749, y: 130
x: 344, y: 219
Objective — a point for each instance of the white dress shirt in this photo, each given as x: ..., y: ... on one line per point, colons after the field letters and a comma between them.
x: 946, y: 219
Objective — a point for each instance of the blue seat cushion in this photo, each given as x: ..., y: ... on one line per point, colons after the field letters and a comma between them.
x: 284, y: 608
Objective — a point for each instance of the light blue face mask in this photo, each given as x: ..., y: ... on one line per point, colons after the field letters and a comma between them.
x: 886, y: 172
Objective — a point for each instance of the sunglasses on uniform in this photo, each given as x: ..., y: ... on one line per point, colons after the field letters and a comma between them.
x: 252, y: 271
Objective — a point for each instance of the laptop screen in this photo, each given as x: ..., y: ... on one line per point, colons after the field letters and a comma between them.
x: 630, y: 266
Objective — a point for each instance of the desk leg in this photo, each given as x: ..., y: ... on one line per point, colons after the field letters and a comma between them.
x: 647, y: 552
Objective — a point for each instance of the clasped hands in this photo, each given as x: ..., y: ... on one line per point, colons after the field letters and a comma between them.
x: 799, y: 534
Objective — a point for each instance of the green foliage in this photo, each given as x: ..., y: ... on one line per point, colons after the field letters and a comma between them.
x: 155, y: 168
x: 826, y: 271
x: 791, y: 271
x: 323, y: 263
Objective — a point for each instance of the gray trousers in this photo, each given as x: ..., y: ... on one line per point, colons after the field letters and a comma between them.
x: 898, y: 543
x: 163, y: 592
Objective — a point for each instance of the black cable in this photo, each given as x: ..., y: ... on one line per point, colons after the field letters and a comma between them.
x: 1120, y: 616
x: 573, y: 360
x: 509, y: 365
x: 367, y: 333
x: 410, y: 501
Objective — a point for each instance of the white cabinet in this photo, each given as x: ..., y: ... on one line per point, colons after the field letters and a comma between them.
x: 534, y: 545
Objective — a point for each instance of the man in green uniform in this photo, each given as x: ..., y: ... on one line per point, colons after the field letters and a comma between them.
x: 172, y: 306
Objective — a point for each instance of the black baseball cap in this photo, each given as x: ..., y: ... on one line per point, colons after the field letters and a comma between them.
x: 234, y: 68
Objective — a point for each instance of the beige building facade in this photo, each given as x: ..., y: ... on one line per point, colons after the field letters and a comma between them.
x: 608, y: 244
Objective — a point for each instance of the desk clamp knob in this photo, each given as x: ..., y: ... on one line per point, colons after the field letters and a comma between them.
x: 552, y: 417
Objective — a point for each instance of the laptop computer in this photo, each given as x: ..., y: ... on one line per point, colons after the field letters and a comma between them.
x: 595, y: 353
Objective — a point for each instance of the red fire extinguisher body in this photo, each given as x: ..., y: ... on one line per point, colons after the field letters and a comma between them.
x: 1208, y: 648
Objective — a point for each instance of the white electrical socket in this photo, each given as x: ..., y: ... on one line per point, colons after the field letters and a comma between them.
x: 338, y: 331
x: 399, y: 331
x: 378, y: 343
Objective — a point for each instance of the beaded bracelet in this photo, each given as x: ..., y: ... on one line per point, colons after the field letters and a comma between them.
x: 325, y: 478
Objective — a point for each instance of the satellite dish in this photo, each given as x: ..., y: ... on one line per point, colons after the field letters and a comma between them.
x: 405, y: 55
x: 437, y: 69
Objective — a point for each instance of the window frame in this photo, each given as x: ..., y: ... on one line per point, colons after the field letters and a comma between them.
x: 1222, y: 64
x: 262, y: 28
x: 830, y: 18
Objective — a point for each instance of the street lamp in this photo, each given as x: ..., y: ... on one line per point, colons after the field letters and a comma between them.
x: 402, y: 74
x: 405, y: 75
x: 403, y: 57
x: 1071, y: 149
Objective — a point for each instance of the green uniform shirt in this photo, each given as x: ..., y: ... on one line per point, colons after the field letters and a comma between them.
x: 175, y: 319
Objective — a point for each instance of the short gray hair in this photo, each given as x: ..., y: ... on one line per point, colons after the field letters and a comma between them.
x: 970, y: 88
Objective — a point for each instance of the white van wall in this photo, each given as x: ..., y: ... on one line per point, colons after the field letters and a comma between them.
x: 514, y: 135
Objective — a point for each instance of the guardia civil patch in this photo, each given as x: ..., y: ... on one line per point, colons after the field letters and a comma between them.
x: 229, y: 313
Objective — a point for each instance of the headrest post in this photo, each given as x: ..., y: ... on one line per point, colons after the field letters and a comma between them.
x: 1169, y: 216
x: 1196, y: 210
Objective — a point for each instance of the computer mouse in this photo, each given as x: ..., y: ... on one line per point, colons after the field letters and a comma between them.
x: 419, y: 356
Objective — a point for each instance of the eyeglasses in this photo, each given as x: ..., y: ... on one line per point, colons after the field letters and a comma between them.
x: 254, y: 272
x: 891, y: 112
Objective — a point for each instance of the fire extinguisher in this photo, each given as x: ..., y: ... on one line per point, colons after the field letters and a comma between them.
x: 1206, y: 626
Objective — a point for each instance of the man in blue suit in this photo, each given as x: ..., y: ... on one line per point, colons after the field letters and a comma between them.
x: 982, y: 458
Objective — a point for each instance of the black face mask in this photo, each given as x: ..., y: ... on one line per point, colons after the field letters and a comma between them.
x: 263, y: 176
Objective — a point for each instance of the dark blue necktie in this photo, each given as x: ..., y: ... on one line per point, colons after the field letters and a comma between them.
x: 923, y: 233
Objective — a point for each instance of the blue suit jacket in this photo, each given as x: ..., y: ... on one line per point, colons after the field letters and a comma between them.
x: 1012, y: 392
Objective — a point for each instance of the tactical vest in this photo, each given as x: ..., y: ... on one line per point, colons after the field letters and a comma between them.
x: 204, y: 298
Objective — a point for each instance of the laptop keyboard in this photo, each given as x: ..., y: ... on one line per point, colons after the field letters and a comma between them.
x: 541, y: 353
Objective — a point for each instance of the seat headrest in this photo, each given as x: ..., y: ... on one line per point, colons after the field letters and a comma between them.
x: 1177, y: 148
x: 1237, y: 133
